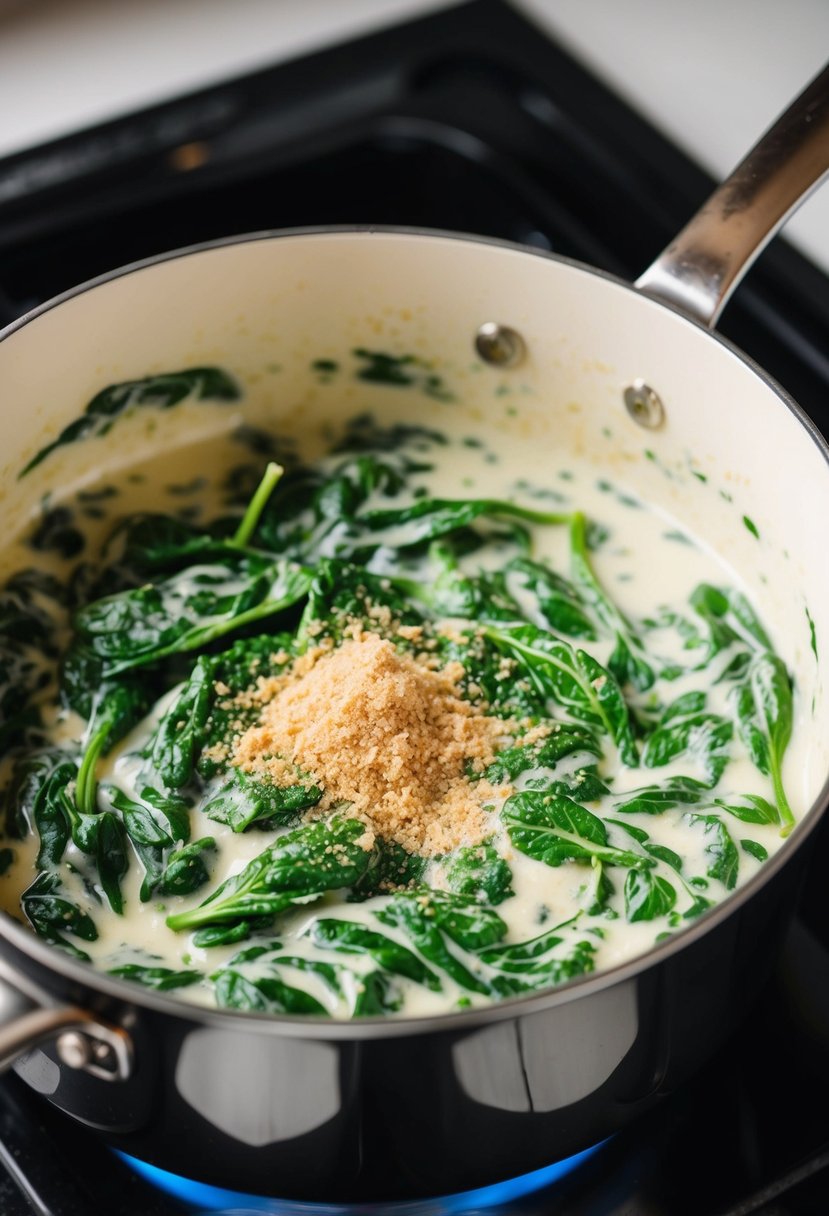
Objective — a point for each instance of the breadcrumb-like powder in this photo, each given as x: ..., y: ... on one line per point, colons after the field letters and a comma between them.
x: 387, y: 734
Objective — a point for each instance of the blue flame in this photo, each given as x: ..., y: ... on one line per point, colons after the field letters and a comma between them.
x: 203, y: 1198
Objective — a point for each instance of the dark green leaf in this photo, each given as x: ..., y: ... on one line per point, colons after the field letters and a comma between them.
x: 418, y: 916
x: 266, y: 994
x: 556, y: 830
x: 227, y: 935
x: 351, y: 937
x: 628, y: 663
x: 702, y: 738
x: 377, y: 995
x: 306, y: 862
x: 564, y: 740
x: 647, y: 895
x: 755, y: 850
x: 111, y: 857
x: 34, y: 802
x: 391, y: 868
x: 765, y: 714
x: 478, y: 873
x: 654, y: 799
x: 244, y: 799
x: 751, y: 808
x: 187, y: 610
x: 51, y: 914
x: 559, y: 603
x: 157, y: 392
x: 427, y: 518
x: 158, y: 819
x: 720, y: 849
x: 162, y: 979
x: 571, y: 678
x: 186, y: 869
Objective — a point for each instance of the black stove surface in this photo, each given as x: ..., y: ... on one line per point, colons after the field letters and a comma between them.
x: 472, y: 120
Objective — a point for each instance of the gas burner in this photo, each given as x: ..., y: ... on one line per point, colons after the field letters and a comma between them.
x: 202, y: 1199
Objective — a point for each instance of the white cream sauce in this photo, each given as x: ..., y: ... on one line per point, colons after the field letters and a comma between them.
x: 646, y: 563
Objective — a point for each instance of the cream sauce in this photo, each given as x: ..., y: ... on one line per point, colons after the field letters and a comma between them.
x: 646, y: 563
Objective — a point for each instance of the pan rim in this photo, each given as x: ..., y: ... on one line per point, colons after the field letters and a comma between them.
x: 126, y: 993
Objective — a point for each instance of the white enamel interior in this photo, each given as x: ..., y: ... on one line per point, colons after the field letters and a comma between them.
x: 267, y: 307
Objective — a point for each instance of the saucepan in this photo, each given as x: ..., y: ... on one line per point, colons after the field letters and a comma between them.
x: 630, y: 375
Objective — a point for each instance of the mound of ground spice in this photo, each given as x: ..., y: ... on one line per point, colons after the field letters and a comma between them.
x: 386, y: 733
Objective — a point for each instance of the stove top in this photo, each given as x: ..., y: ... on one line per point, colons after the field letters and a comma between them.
x: 469, y: 119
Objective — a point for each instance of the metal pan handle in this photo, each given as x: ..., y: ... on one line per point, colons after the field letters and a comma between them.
x: 701, y: 267
x: 29, y: 1018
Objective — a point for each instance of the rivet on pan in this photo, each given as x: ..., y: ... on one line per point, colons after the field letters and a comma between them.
x: 644, y: 405
x: 74, y: 1049
x: 499, y: 345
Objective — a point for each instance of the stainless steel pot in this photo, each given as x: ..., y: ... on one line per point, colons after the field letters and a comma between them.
x: 397, y: 1108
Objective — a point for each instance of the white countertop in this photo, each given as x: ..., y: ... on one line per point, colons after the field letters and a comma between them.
x: 711, y: 74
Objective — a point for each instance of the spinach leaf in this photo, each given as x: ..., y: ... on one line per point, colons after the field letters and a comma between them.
x: 647, y: 895
x: 571, y: 678
x: 720, y: 849
x: 765, y: 714
x: 186, y: 868
x: 428, y: 917
x: 111, y: 856
x: 311, y: 512
x: 377, y: 996
x: 30, y: 605
x: 628, y: 663
x: 161, y: 979
x: 265, y: 994
x: 33, y: 801
x: 556, y: 830
x: 654, y: 799
x: 729, y: 618
x: 341, y: 593
x: 428, y: 518
x: 21, y: 676
x: 453, y: 593
x: 117, y: 707
x: 491, y: 677
x: 351, y: 937
x: 523, y: 956
x: 208, y: 708
x: 154, y: 825
x: 751, y: 808
x: 478, y: 873
x: 540, y: 962
x: 299, y: 866
x: 563, y: 740
x: 178, y: 738
x: 687, y: 730
x: 243, y: 799
x: 559, y: 602
x: 228, y: 934
x: 52, y: 915
x: 159, y: 392
x: 390, y: 868
x: 186, y: 611
x: 158, y: 819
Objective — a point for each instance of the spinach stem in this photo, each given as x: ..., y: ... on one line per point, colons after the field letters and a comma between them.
x: 87, y: 782
x: 787, y: 820
x: 257, y: 504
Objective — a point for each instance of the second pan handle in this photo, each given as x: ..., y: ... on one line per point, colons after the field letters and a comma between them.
x: 701, y: 267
